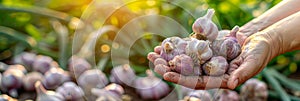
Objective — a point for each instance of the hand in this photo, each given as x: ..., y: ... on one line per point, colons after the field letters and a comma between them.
x: 257, y: 51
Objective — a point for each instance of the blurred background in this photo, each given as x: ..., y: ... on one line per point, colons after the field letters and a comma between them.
x: 108, y: 33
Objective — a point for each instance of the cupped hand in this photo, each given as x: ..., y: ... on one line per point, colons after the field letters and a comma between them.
x: 256, y: 53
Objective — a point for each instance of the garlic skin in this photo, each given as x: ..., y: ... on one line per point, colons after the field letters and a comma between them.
x: 205, y: 27
x: 44, y: 95
x: 77, y: 66
x: 3, y: 67
x: 42, y: 63
x: 254, y: 90
x: 151, y: 87
x: 198, y: 50
x: 171, y: 47
x: 25, y: 59
x: 11, y: 81
x: 122, y: 74
x: 104, y: 95
x: 216, y: 66
x: 227, y: 46
x: 227, y: 95
x: 30, y: 79
x: 93, y: 78
x: 222, y: 34
x: 198, y: 95
x: 184, y: 65
x: 111, y: 89
x: 18, y: 67
x: 55, y: 77
x: 71, y: 92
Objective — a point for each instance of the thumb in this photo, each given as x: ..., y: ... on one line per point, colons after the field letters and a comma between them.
x: 241, y: 37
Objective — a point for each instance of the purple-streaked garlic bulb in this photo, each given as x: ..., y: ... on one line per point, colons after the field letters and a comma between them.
x: 111, y: 90
x: 11, y: 81
x: 30, y: 79
x: 205, y: 27
x: 228, y: 46
x: 122, y: 74
x: 54, y: 77
x: 216, y: 66
x: 254, y: 90
x: 77, y: 66
x: 151, y: 87
x: 71, y: 92
x: 42, y: 63
x: 171, y: 47
x: 18, y: 67
x: 5, y: 97
x: 93, y: 78
x: 45, y: 95
x: 198, y: 95
x: 25, y: 59
x: 198, y: 50
x: 184, y: 65
x: 227, y: 95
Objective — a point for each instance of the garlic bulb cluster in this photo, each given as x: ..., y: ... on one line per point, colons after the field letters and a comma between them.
x: 207, y: 52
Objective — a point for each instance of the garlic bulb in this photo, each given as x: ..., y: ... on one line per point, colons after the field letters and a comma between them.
x: 183, y: 64
x: 71, y: 92
x: 93, y: 78
x: 44, y: 95
x: 151, y: 87
x: 77, y: 66
x: 228, y: 46
x: 227, y: 95
x: 254, y: 90
x: 198, y: 50
x: 216, y: 66
x: 171, y: 47
x: 198, y: 95
x: 42, y: 63
x: 123, y: 75
x: 30, y: 79
x: 205, y: 27
x: 11, y: 81
x: 55, y: 77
